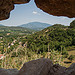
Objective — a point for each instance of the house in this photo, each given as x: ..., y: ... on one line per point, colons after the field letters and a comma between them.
x: 1, y: 37
x: 20, y: 43
x: 8, y: 46
x: 8, y: 33
x: 12, y: 43
x: 1, y: 56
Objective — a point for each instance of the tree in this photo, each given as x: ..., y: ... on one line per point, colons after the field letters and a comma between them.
x: 71, y: 57
x: 72, y: 24
x: 73, y: 41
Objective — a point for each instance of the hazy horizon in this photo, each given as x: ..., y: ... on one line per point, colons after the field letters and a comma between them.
x: 27, y: 23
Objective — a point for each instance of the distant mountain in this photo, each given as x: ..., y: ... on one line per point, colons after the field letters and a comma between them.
x: 1, y: 25
x: 35, y: 25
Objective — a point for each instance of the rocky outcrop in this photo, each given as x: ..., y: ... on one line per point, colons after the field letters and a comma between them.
x: 8, y: 71
x: 70, y: 70
x: 7, y: 5
x: 40, y: 67
x: 57, y: 7
x: 45, y: 67
x: 36, y: 67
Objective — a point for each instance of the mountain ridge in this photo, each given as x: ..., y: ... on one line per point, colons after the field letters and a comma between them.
x: 1, y: 25
x: 35, y: 25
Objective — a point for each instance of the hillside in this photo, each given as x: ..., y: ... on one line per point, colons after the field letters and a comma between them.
x: 56, y: 36
x: 15, y: 30
x: 35, y: 25
x: 56, y: 42
x: 9, y: 37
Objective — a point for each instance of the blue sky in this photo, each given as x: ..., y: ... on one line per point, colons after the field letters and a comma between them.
x: 26, y: 13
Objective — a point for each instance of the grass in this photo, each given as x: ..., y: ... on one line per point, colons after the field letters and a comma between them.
x: 26, y: 55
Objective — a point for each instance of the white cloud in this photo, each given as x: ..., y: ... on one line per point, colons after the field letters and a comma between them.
x: 36, y: 13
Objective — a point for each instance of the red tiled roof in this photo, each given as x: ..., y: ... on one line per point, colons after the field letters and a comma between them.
x: 1, y: 55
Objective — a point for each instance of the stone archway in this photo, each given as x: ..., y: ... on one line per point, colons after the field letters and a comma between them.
x: 40, y: 66
x: 53, y: 7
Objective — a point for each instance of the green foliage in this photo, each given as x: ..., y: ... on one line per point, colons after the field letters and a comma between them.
x: 71, y: 57
x: 73, y: 41
x: 13, y: 54
x: 21, y: 46
x: 9, y: 34
x: 65, y: 53
x: 54, y: 36
x: 72, y: 24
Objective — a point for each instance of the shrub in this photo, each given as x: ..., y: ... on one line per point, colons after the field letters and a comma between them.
x: 71, y: 57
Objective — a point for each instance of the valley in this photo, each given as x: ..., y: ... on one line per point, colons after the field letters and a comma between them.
x: 20, y: 45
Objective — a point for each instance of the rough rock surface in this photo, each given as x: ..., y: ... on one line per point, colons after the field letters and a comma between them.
x: 7, y: 5
x: 40, y: 67
x: 45, y: 67
x: 20, y: 1
x: 70, y: 70
x: 8, y: 71
x: 36, y: 67
x: 57, y: 7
